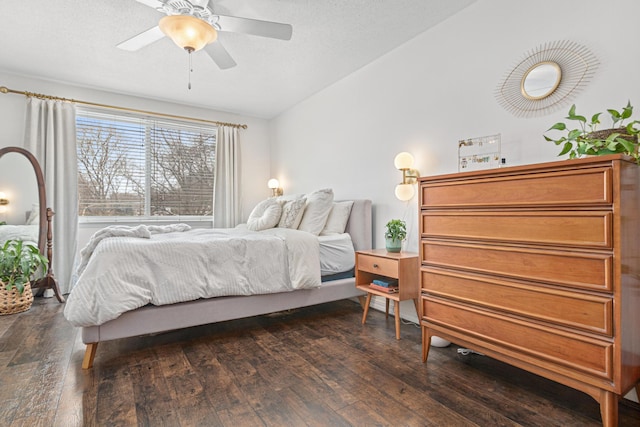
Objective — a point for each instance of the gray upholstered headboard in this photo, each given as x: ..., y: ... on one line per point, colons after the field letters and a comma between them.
x: 359, y: 225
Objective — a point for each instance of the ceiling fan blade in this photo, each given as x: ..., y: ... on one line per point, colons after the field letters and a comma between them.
x: 143, y: 39
x: 255, y: 27
x: 220, y: 56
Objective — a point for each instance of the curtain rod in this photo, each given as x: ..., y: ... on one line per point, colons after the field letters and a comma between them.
x: 4, y: 89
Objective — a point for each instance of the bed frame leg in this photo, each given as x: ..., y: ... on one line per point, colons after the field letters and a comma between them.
x: 89, y: 354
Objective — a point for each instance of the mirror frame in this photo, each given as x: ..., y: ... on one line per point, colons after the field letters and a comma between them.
x: 577, y: 65
x: 42, y: 197
x: 44, y: 235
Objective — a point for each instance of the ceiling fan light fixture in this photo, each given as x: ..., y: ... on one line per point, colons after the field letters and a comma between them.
x: 188, y: 32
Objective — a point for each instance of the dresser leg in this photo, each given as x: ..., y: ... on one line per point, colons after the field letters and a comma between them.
x: 426, y: 344
x: 396, y: 309
x: 608, y: 408
x: 366, y: 308
x: 386, y: 311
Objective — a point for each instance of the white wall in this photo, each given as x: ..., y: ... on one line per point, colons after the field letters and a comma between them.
x: 437, y: 89
x: 254, y: 140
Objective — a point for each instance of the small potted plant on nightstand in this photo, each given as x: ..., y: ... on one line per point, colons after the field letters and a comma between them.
x: 18, y: 263
x: 395, y: 233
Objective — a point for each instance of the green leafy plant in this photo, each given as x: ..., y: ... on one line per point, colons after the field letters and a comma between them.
x: 18, y: 263
x: 587, y: 140
x: 396, y: 230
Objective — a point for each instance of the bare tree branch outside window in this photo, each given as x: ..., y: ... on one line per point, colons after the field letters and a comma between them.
x: 181, y: 166
x: 144, y: 168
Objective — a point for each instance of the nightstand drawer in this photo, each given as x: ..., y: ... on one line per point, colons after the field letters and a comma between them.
x: 378, y: 265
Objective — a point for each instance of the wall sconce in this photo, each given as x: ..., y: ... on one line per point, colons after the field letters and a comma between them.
x: 274, y: 185
x: 3, y: 202
x: 404, y: 190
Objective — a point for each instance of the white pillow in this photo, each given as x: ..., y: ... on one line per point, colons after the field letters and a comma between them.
x: 34, y: 215
x: 292, y: 211
x: 265, y: 215
x: 319, y: 204
x: 338, y: 217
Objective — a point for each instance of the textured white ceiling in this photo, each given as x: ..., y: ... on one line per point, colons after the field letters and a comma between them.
x: 75, y: 42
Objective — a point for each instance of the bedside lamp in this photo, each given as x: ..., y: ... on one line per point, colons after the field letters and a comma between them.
x: 404, y: 190
x: 3, y: 202
x: 274, y: 185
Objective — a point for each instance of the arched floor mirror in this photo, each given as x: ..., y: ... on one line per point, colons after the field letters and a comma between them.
x: 25, y: 207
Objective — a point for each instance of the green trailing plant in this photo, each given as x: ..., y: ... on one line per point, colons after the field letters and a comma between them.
x: 586, y: 139
x: 18, y: 263
x: 396, y: 230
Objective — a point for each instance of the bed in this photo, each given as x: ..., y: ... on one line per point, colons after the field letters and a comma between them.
x: 27, y: 233
x: 151, y: 318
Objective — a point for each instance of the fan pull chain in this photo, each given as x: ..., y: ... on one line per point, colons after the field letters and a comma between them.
x: 190, y: 67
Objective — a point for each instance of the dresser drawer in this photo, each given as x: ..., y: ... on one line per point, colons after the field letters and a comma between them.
x: 377, y: 265
x: 574, y: 269
x: 581, y: 186
x: 556, y: 350
x: 589, y: 229
x: 572, y: 309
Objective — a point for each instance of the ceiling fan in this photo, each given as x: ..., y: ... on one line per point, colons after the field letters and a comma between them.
x: 193, y: 25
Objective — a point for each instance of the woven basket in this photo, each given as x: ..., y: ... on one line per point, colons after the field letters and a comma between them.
x: 12, y: 301
x: 604, y: 133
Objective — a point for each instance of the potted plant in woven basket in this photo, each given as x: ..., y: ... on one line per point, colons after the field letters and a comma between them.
x: 18, y: 263
x: 586, y: 139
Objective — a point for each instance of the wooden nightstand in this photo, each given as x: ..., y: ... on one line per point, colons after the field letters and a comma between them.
x: 380, y: 264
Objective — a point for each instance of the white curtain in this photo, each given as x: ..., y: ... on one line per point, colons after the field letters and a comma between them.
x: 226, y: 195
x: 50, y: 134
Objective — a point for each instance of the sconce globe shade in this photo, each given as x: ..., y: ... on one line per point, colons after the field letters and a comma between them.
x: 404, y: 192
x: 2, y: 195
x: 188, y: 32
x: 403, y: 160
x: 273, y: 183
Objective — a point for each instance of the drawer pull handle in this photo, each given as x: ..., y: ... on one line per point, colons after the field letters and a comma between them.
x: 375, y: 265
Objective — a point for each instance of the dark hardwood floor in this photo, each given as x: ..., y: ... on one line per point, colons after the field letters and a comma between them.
x: 315, y: 366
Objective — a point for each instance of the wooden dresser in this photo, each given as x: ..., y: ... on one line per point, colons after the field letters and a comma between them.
x: 538, y: 266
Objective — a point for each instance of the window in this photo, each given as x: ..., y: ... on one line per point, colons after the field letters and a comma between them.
x: 141, y: 167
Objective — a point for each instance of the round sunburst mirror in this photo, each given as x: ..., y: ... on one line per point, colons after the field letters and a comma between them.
x: 541, y: 80
x: 546, y: 78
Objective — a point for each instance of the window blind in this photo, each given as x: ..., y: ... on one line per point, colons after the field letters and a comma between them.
x: 132, y: 165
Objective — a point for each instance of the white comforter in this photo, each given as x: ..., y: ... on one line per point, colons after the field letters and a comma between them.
x: 26, y: 233
x: 125, y: 273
